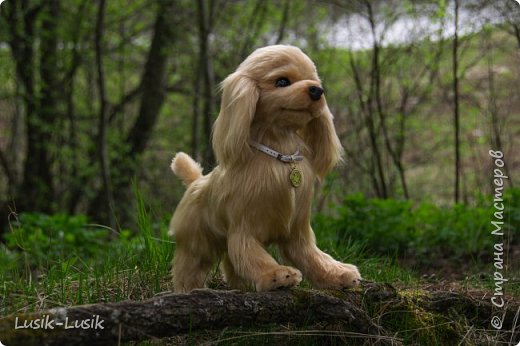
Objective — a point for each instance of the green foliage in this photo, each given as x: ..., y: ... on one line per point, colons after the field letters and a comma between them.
x: 8, y: 259
x: 372, y: 220
x: 51, y: 238
x: 441, y: 9
x: 512, y: 210
x: 69, y: 261
x: 398, y: 227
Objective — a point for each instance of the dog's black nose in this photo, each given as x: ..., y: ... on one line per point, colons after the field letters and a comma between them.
x: 315, y: 92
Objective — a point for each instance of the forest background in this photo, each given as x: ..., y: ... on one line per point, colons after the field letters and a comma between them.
x: 97, y: 96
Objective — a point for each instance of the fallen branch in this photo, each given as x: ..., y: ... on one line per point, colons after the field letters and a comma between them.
x: 169, y: 314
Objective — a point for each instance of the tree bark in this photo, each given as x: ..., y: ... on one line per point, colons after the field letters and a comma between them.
x: 175, y: 314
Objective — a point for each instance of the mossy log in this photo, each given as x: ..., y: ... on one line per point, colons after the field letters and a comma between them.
x: 170, y: 314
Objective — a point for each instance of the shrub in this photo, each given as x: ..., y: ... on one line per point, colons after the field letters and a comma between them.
x: 398, y: 227
x: 51, y: 238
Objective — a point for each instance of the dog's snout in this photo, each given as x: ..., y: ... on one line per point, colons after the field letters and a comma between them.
x: 315, y: 92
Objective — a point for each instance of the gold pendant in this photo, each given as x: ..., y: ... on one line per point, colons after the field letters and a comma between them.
x: 295, y: 176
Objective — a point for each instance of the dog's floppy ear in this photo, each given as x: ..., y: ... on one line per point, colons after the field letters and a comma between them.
x: 237, y: 110
x: 320, y: 136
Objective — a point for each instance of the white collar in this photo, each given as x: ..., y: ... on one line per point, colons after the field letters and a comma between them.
x: 284, y: 158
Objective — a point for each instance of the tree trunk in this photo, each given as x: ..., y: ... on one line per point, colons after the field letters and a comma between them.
x: 456, y: 104
x: 153, y: 92
x: 205, y: 10
x: 376, y: 77
x: 283, y: 22
x: 203, y: 310
x: 108, y: 204
x: 371, y: 113
x: 493, y: 110
x: 367, y: 117
x: 35, y: 190
x: 153, y: 82
x: 196, y: 113
x: 74, y: 186
x: 38, y: 185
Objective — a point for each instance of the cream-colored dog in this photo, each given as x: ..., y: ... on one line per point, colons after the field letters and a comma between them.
x: 274, y: 139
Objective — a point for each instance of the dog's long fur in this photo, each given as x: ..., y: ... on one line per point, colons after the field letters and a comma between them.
x: 247, y: 201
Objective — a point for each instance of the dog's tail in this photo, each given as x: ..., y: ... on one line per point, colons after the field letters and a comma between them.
x: 186, y: 168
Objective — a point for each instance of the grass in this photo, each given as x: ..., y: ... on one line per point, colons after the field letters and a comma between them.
x: 63, y: 260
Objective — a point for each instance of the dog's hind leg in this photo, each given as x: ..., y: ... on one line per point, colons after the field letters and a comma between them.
x: 190, y: 271
x: 195, y: 251
x: 231, y: 277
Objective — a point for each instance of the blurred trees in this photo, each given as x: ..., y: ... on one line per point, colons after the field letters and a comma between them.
x: 98, y: 93
x: 152, y: 90
x: 395, y: 90
x: 66, y: 161
x: 388, y: 89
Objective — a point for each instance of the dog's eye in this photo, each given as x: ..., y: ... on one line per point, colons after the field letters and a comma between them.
x: 282, y: 82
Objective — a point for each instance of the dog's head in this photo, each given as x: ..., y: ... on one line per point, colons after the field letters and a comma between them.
x: 276, y: 86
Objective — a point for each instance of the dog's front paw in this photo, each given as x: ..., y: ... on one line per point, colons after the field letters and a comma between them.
x: 280, y: 277
x: 342, y: 276
x: 350, y: 277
